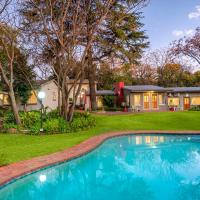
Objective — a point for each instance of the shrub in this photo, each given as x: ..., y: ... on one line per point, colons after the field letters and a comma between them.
x: 83, y: 122
x: 9, y: 117
x: 82, y: 114
x: 52, y: 123
x: 35, y: 129
x: 108, y: 101
x: 7, y: 126
x: 29, y: 119
x: 58, y: 125
x: 53, y: 114
x: 195, y: 108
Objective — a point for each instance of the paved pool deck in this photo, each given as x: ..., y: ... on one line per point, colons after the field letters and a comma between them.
x: 15, y: 170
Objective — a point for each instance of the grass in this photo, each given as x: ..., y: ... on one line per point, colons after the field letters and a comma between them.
x: 16, y: 147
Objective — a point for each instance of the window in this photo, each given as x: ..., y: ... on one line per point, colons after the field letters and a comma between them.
x: 1, y: 99
x: 195, y: 101
x: 161, y: 99
x: 32, y: 99
x: 137, y: 101
x: 173, y: 101
x: 146, y: 101
x: 6, y: 100
x: 70, y: 100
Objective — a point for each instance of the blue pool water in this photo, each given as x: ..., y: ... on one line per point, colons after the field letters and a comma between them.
x: 124, y: 168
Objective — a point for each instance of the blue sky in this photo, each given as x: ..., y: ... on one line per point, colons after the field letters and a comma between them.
x: 168, y: 20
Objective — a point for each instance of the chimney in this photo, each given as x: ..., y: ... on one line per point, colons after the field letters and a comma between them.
x: 119, y: 92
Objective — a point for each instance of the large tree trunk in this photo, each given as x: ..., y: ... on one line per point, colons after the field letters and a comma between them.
x: 64, y: 102
x: 59, y: 98
x: 14, y: 106
x: 59, y: 101
x: 75, y: 97
x: 92, y: 80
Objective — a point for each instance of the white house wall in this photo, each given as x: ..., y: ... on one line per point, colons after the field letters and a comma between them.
x: 51, y: 99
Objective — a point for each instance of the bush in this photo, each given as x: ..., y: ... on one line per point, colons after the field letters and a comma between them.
x: 195, y: 108
x: 35, y: 129
x: 9, y: 117
x: 52, y: 122
x: 83, y: 122
x: 7, y: 126
x: 58, y: 125
x: 29, y: 119
x: 108, y: 101
x: 82, y: 114
x: 53, y: 114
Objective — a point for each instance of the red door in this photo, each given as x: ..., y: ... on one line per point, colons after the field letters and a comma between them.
x: 154, y: 101
x: 186, y: 103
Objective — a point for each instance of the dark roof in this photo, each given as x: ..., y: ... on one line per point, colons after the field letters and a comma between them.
x: 104, y: 92
x: 143, y: 88
x: 70, y: 81
x: 185, y: 89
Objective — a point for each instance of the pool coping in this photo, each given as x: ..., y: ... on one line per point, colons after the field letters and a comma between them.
x: 14, y: 171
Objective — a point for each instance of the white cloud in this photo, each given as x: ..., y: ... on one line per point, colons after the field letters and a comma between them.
x: 190, y: 32
x: 177, y: 33
x: 195, y: 14
x: 180, y: 33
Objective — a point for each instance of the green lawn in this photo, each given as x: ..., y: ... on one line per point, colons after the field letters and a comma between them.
x: 16, y: 147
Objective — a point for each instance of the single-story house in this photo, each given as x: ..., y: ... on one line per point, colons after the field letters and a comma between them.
x: 133, y: 97
x: 152, y: 98
x: 50, y: 88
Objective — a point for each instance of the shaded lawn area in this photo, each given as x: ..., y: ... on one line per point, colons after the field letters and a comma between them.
x: 16, y: 147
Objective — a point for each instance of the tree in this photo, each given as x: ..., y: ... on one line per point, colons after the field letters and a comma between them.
x: 173, y: 75
x: 60, y: 26
x: 197, y: 78
x: 23, y: 74
x: 8, y: 43
x: 144, y: 74
x: 189, y: 47
x: 120, y: 37
x: 105, y: 76
x: 3, y: 5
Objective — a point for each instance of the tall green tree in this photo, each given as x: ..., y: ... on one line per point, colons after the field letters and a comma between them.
x: 121, y: 37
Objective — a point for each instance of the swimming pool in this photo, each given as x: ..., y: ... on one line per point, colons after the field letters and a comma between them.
x: 141, y: 167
